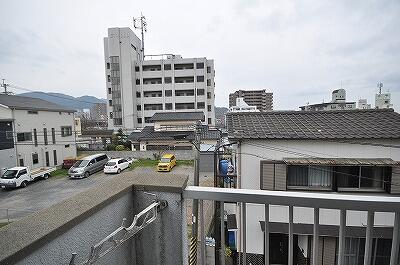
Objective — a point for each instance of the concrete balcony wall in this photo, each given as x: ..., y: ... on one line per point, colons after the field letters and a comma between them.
x: 76, y: 224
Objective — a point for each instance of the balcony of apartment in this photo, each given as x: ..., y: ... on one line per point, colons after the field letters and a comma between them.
x: 152, y: 83
x: 152, y: 71
x: 143, y: 219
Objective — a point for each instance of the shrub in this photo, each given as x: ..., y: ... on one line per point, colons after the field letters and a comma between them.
x: 111, y: 147
x: 120, y: 147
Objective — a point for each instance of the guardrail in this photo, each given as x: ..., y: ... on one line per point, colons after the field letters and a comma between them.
x: 317, y: 201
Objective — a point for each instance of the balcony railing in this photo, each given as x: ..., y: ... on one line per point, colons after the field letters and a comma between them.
x: 317, y: 201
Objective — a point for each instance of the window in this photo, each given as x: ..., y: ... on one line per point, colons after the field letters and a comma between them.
x: 111, y: 115
x: 200, y: 78
x: 45, y: 136
x: 184, y: 79
x: 137, y: 69
x: 153, y: 106
x: 208, y: 82
x: 184, y: 93
x: 66, y: 146
x: 32, y: 112
x: 139, y: 107
x: 138, y: 94
x: 208, y: 69
x: 108, y: 65
x: 109, y: 90
x: 167, y: 80
x: 24, y: 136
x: 208, y: 107
x: 168, y: 93
x: 108, y: 78
x: 53, y: 135
x: 35, y: 158
x: 137, y: 81
x: 200, y: 105
x: 35, y: 137
x: 183, y: 66
x: 139, y: 120
x: 199, y: 65
x: 110, y: 102
x: 362, y: 177
x: 179, y: 106
x: 310, y: 176
x: 152, y: 94
x: 55, y: 157
x: 167, y: 67
x: 168, y: 106
x: 147, y: 119
x: 66, y: 131
x: 209, y: 95
x: 200, y: 92
x: 209, y: 120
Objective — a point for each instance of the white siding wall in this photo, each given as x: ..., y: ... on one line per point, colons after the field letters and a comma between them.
x: 25, y: 122
x: 250, y: 179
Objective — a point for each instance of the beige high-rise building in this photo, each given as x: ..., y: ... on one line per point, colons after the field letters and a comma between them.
x: 260, y: 98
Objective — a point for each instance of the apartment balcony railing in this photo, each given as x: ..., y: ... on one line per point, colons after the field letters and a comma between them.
x: 317, y: 201
x: 89, y: 224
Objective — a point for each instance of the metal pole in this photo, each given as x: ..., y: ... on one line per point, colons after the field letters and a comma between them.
x: 266, y: 235
x: 315, y: 237
x: 394, y: 255
x: 202, y: 234
x: 368, y: 238
x: 342, y: 234
x: 222, y: 233
x: 290, y: 256
x: 244, y: 233
x: 195, y: 209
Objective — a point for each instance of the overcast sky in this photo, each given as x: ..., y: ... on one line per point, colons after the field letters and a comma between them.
x: 299, y: 50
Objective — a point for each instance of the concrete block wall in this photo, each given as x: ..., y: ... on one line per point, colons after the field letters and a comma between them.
x: 180, y: 154
x: 76, y: 224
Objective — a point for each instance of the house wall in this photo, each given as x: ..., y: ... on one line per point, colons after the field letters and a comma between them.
x: 253, y: 152
x: 64, y: 146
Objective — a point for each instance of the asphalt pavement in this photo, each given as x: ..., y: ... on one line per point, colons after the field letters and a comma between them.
x: 40, y: 194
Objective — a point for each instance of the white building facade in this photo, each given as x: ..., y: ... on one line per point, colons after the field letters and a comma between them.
x: 42, y: 133
x: 137, y: 88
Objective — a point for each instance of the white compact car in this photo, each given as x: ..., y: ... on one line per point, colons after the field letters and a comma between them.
x: 116, y: 165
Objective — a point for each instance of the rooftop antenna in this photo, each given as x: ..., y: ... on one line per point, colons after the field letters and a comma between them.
x: 380, y: 86
x: 140, y: 23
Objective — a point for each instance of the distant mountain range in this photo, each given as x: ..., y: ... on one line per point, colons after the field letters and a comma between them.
x: 78, y: 103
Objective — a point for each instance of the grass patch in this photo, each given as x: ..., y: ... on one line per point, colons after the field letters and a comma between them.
x: 3, y: 224
x: 154, y: 163
x: 59, y: 173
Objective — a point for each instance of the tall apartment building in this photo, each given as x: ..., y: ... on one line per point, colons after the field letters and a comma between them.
x: 260, y: 98
x: 138, y: 88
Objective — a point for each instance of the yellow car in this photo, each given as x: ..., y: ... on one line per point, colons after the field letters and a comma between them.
x: 167, y: 162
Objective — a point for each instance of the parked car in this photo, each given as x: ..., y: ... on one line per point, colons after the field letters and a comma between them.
x: 86, y: 166
x: 20, y: 176
x: 116, y: 165
x: 70, y: 161
x: 167, y: 162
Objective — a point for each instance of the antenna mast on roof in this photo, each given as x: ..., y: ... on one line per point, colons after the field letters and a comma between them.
x: 140, y: 23
x: 4, y: 85
x: 380, y: 86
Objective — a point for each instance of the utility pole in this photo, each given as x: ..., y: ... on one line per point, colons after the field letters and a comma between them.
x: 140, y: 23
x: 4, y: 85
x: 195, y: 209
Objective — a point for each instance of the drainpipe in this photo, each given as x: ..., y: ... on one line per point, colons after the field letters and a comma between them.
x: 238, y: 205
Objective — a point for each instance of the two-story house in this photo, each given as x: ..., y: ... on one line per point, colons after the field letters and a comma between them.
x: 34, y: 132
x: 354, y: 151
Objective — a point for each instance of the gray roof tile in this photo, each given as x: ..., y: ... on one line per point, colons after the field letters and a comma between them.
x: 178, y: 116
x: 351, y: 124
x: 28, y: 103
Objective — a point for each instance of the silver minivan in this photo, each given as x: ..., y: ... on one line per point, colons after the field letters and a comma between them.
x: 86, y: 166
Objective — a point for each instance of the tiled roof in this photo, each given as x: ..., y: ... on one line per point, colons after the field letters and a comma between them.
x: 28, y: 103
x: 342, y: 124
x: 178, y: 116
x: 148, y: 133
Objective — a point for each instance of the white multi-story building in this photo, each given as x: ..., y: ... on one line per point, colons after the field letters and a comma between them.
x: 382, y: 101
x: 338, y: 102
x: 242, y: 106
x: 34, y: 132
x: 138, y: 88
x: 363, y: 104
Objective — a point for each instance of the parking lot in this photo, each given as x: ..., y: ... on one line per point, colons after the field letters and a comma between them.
x: 17, y: 203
